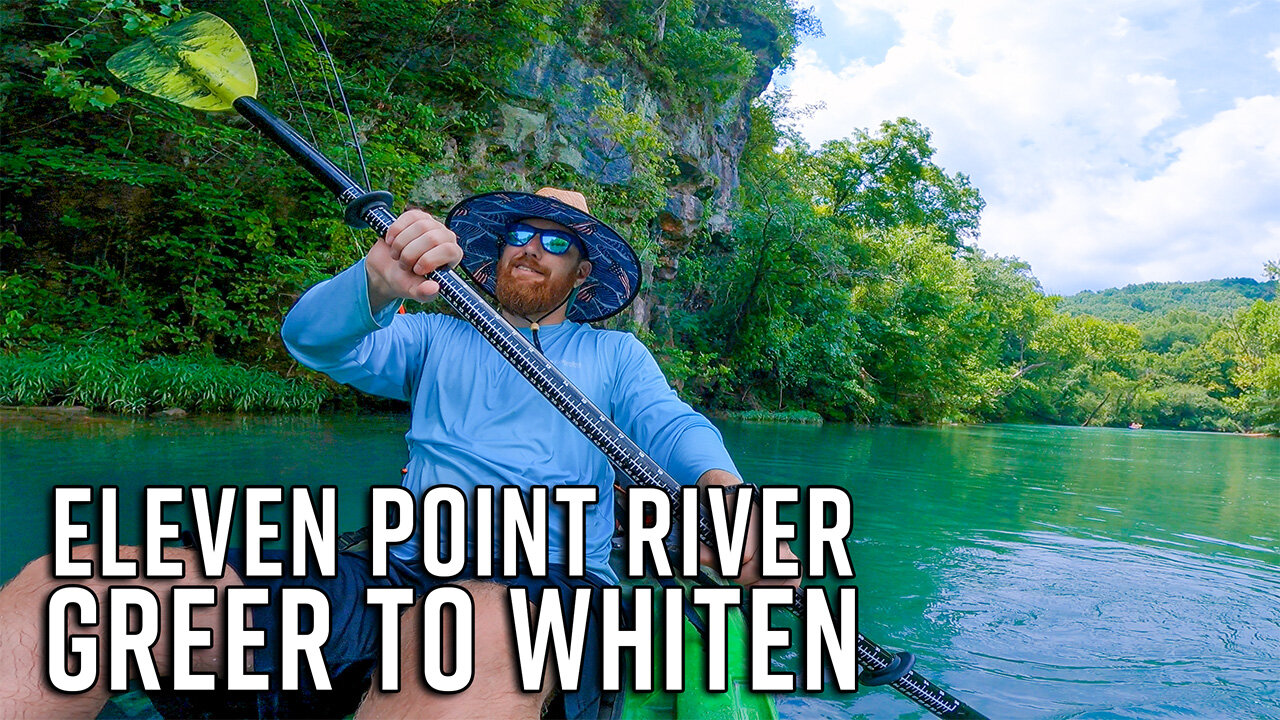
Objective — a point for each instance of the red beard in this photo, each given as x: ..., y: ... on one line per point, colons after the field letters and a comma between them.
x: 527, y: 295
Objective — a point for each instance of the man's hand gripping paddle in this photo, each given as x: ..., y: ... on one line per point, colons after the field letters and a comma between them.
x: 200, y: 62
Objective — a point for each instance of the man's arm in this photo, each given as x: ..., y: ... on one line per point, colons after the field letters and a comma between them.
x: 752, y: 557
x: 676, y: 436
x: 718, y: 477
x: 683, y: 442
x: 347, y: 326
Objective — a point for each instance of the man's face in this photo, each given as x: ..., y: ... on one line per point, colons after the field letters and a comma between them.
x: 532, y: 281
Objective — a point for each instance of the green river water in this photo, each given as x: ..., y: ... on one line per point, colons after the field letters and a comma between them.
x: 1037, y: 572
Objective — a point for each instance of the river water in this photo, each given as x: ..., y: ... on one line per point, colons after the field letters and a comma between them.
x: 1036, y: 572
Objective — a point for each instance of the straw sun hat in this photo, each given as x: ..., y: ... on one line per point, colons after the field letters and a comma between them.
x: 481, y: 221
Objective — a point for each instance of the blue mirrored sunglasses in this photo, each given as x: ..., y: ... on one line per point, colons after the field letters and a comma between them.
x: 556, y: 242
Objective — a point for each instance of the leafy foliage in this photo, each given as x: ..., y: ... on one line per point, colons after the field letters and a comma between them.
x: 1206, y: 353
x: 1252, y: 340
x: 147, y: 253
x: 695, y: 53
x: 848, y: 289
x: 180, y: 233
x: 888, y: 179
x: 107, y: 378
x: 1150, y: 301
x: 815, y: 307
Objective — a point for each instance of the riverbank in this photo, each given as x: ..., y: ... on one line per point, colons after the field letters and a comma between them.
x: 58, y: 414
x: 800, y: 417
x: 11, y: 415
x: 108, y: 378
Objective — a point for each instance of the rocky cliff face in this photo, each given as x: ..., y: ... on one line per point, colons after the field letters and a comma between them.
x: 555, y: 109
x: 553, y: 113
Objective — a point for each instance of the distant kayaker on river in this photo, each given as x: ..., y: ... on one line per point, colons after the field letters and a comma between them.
x: 475, y: 423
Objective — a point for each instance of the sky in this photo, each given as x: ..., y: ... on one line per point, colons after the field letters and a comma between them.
x: 1115, y: 141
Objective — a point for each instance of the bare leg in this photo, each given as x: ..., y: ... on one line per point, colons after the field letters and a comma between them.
x: 24, y: 692
x: 495, y: 693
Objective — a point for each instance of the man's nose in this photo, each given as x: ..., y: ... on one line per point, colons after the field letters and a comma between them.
x: 534, y: 247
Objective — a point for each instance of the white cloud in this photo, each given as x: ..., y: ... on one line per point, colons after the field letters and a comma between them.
x: 1213, y: 212
x: 1275, y: 58
x: 1071, y: 120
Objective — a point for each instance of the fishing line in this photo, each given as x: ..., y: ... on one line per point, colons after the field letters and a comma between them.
x: 322, y: 48
x: 324, y: 74
x: 314, y: 34
x: 266, y: 4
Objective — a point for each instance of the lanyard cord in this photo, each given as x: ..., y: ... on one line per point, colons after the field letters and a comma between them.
x: 533, y: 324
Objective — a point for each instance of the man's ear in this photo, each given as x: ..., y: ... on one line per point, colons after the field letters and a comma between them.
x: 584, y: 272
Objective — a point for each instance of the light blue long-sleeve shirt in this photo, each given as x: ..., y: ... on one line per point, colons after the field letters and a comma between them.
x: 478, y: 422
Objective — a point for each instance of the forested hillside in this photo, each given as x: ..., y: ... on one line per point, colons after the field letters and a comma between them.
x: 1136, y: 303
x: 148, y: 252
x: 852, y: 286
x: 1197, y: 343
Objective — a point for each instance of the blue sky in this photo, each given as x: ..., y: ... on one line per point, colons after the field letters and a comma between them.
x: 1115, y: 141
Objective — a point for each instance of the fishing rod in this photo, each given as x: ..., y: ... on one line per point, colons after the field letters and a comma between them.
x: 201, y: 62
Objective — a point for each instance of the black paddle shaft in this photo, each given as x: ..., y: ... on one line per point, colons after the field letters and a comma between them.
x: 625, y: 455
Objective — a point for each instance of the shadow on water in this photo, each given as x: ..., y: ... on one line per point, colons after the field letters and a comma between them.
x: 1038, y: 572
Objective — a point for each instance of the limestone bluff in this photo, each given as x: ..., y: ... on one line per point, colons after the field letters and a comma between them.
x: 555, y: 109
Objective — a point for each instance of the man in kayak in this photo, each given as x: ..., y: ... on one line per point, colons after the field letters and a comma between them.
x: 475, y: 423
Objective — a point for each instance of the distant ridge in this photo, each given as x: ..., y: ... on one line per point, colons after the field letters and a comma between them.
x: 1134, y: 303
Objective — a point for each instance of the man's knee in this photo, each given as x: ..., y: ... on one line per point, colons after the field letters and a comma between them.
x: 487, y: 622
x: 38, y: 578
x: 35, y: 580
x: 26, y: 597
x: 487, y: 603
x: 485, y: 588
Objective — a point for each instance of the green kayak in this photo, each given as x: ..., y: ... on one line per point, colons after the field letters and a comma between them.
x: 738, y: 703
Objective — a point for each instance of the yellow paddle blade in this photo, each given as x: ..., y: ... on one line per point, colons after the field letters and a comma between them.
x: 199, y: 62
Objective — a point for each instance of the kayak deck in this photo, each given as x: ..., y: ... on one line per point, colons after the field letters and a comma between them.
x: 694, y: 701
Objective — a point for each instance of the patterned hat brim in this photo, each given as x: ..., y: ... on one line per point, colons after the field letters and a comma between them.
x: 481, y: 221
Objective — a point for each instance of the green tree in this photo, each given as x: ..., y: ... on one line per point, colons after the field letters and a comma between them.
x: 911, y: 311
x: 1251, y: 340
x: 888, y: 179
x: 1088, y: 371
x: 774, y: 295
